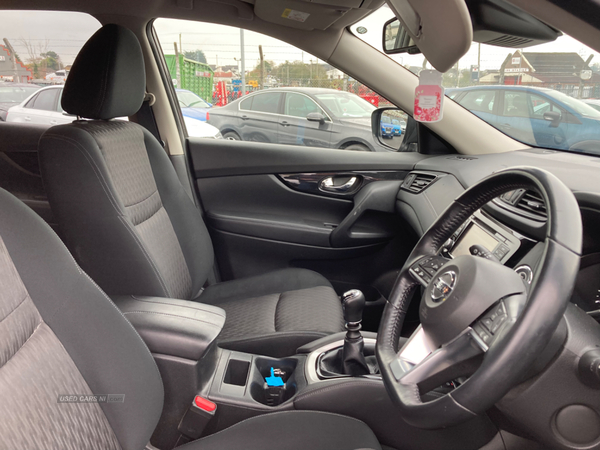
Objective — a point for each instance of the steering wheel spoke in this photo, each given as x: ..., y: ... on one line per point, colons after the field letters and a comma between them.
x: 423, y: 270
x: 457, y: 358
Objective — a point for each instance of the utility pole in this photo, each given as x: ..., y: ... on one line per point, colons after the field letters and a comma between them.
x: 478, y: 62
x: 287, y: 66
x: 180, y: 46
x: 243, y: 61
x: 14, y: 60
x: 177, y: 68
x: 587, y: 63
x: 262, y: 67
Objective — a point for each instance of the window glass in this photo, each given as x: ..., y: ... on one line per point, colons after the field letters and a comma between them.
x: 247, y: 103
x: 482, y: 101
x: 346, y: 105
x: 58, y: 103
x: 299, y: 105
x: 15, y: 94
x: 39, y: 48
x: 268, y: 103
x: 564, y: 71
x: 516, y: 104
x: 46, y: 100
x: 208, y: 60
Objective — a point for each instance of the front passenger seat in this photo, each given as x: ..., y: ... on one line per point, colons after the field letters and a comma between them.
x: 63, y: 343
x: 133, y: 229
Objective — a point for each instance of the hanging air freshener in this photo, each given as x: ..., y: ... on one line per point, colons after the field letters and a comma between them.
x: 429, y: 97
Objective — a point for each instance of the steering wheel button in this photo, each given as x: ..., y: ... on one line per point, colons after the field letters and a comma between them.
x: 488, y: 323
x: 497, y: 324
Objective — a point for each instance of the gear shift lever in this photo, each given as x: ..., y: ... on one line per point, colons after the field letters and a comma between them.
x: 353, y: 359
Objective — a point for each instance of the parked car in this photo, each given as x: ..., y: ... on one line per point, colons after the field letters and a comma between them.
x: 44, y: 108
x: 58, y: 77
x: 397, y: 127
x: 594, y: 103
x: 536, y: 116
x: 387, y: 129
x: 300, y: 116
x: 12, y: 94
x: 192, y: 105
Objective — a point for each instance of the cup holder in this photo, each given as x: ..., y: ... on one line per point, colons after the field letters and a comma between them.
x: 273, y: 396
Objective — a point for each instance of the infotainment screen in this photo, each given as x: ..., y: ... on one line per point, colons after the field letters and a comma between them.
x: 474, y: 235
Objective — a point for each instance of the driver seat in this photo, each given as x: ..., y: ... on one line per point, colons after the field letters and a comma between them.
x: 62, y: 340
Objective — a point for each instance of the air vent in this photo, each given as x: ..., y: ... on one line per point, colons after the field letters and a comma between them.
x: 463, y: 158
x: 510, y: 41
x: 533, y: 203
x: 526, y: 203
x: 417, y: 181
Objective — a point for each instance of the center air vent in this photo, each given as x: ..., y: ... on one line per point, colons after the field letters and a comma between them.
x: 417, y: 181
x: 526, y: 203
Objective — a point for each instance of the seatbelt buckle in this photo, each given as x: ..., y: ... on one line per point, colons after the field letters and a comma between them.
x: 197, y: 417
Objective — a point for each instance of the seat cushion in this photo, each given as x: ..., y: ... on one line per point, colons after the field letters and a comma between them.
x: 292, y: 430
x: 275, y: 313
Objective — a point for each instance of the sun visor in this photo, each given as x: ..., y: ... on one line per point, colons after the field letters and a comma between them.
x: 441, y: 29
x: 300, y: 14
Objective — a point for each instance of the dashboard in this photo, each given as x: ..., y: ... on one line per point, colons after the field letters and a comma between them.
x: 511, y: 227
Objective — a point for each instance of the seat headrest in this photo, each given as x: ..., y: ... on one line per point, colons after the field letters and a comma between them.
x: 108, y: 78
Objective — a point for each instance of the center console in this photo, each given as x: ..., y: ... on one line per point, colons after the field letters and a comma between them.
x: 208, y: 389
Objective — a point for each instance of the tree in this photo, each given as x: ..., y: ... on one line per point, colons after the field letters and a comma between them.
x: 52, y: 60
x: 195, y: 55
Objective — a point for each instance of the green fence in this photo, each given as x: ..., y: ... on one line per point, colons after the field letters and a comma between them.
x: 195, y: 76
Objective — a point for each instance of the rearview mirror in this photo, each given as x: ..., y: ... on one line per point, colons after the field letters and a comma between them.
x: 315, y: 117
x: 553, y: 117
x: 396, y: 39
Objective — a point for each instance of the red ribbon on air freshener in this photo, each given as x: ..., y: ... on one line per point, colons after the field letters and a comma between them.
x: 429, y: 97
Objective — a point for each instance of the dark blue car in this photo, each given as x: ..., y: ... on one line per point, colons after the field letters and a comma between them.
x: 536, y: 116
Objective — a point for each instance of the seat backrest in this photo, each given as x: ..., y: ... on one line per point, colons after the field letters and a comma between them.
x: 74, y: 374
x: 114, y: 192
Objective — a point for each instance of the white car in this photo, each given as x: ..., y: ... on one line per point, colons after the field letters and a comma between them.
x: 44, y: 108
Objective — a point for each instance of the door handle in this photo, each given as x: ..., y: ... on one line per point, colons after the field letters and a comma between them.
x: 284, y: 123
x: 506, y: 126
x: 27, y: 119
x: 244, y: 117
x: 326, y: 185
x: 53, y: 122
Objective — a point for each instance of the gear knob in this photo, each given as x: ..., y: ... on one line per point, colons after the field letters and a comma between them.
x: 353, y: 303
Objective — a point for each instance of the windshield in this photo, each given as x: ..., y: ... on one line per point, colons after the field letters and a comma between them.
x: 534, y: 94
x: 190, y: 100
x: 16, y: 94
x: 343, y: 105
x: 579, y: 106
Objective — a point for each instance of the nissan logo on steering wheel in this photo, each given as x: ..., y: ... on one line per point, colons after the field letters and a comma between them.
x: 443, y: 286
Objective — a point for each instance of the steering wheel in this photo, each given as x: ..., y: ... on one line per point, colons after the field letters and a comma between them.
x: 477, y: 318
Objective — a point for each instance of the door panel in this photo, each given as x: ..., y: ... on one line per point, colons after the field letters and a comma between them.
x: 265, y: 211
x: 260, y: 123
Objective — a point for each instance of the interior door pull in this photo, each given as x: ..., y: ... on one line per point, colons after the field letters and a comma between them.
x: 327, y: 185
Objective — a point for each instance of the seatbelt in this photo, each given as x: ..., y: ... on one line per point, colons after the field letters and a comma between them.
x: 145, y: 117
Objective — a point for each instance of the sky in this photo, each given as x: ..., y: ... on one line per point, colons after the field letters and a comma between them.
x: 65, y: 33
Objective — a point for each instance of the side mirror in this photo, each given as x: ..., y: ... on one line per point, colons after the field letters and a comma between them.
x: 396, y: 39
x: 553, y: 117
x: 389, y: 127
x: 316, y: 117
